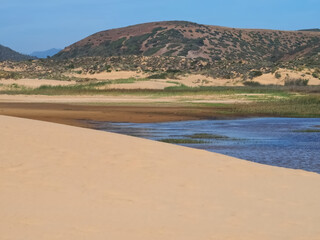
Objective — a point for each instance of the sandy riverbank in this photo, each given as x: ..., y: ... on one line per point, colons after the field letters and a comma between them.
x: 80, y: 114
x: 104, y: 99
x: 62, y: 182
x: 77, y: 110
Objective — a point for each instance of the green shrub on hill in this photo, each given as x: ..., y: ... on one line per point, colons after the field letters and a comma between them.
x: 295, y: 82
x: 277, y: 75
x: 251, y: 83
x: 9, y: 75
x: 255, y: 73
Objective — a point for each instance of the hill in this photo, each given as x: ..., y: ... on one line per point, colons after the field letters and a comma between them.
x: 191, y: 40
x: 8, y: 54
x: 46, y: 53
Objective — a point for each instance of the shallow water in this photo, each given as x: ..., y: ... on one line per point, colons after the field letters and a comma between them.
x: 272, y: 141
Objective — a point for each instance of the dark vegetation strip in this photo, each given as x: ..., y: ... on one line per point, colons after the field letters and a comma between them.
x: 206, y: 136
x: 308, y: 130
x: 178, y: 90
x: 182, y: 141
x: 305, y: 105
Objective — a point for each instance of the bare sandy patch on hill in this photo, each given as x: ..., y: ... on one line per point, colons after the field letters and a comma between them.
x: 196, y: 80
x: 34, y: 83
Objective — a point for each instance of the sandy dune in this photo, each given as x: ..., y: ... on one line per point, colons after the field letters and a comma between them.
x: 110, y: 75
x: 62, y: 182
x: 196, y: 80
x: 269, y: 78
x: 190, y: 80
x: 34, y: 83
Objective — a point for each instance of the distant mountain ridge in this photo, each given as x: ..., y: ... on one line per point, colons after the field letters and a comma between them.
x: 9, y: 54
x: 192, y: 40
x: 311, y: 30
x: 46, y: 53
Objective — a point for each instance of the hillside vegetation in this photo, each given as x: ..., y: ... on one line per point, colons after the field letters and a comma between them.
x: 191, y: 40
x: 163, y: 50
x: 8, y: 54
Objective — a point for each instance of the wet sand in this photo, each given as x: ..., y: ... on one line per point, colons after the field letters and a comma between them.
x: 78, y: 114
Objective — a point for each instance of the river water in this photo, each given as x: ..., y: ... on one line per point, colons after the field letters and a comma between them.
x: 274, y: 141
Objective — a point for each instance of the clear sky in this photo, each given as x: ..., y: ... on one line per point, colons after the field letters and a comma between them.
x: 31, y: 25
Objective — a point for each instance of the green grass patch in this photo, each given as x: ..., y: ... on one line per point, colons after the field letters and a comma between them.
x: 173, y: 82
x: 299, y: 106
x: 120, y: 81
x: 158, y: 76
x: 207, y: 136
x: 307, y: 130
x: 273, y: 101
x: 182, y: 141
x: 93, y: 84
x: 89, y: 88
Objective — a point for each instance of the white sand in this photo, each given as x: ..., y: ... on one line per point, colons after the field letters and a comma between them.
x: 62, y: 182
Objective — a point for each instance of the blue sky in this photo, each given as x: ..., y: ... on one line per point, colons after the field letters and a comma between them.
x: 30, y: 25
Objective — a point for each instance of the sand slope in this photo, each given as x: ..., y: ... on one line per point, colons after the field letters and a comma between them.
x: 62, y: 182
